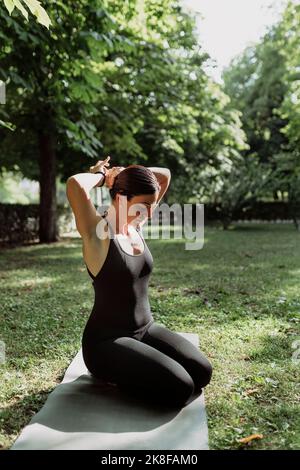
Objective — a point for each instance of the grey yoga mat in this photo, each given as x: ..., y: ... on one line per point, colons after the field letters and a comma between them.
x: 86, y: 413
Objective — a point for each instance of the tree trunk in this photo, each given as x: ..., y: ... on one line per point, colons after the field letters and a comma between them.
x: 47, y: 163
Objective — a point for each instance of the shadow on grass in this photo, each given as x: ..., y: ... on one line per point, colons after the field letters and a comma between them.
x: 273, y: 348
x: 16, y: 416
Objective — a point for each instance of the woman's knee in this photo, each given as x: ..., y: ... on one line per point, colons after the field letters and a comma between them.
x: 183, y: 391
x: 177, y: 389
x: 205, y: 374
x: 173, y: 392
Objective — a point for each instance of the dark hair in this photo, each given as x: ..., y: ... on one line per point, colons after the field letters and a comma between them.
x: 133, y: 181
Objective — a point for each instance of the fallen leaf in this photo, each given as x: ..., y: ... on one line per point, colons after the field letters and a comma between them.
x: 246, y: 358
x: 247, y: 439
x: 251, y: 391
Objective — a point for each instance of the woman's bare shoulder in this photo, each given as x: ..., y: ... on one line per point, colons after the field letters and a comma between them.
x: 95, y: 248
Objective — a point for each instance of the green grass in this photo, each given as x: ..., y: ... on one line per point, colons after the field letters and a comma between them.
x: 240, y: 293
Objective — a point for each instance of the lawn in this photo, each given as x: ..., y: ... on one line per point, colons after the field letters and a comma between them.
x: 240, y: 293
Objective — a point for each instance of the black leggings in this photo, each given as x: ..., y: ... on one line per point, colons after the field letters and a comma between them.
x: 159, y: 366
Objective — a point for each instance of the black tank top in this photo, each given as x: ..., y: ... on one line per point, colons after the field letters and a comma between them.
x: 121, y: 292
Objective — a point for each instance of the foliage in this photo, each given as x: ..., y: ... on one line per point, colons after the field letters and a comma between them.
x: 34, y: 7
x: 264, y: 84
x: 122, y: 81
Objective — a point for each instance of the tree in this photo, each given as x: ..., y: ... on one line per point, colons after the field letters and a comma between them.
x: 53, y: 85
x: 288, y: 160
x: 118, y: 78
x: 263, y: 84
x: 256, y: 85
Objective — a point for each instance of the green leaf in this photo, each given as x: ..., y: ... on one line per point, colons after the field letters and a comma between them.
x: 38, y: 11
x: 8, y: 125
x: 20, y: 7
x: 9, y: 5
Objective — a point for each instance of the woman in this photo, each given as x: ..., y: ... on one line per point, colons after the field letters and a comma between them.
x: 121, y: 342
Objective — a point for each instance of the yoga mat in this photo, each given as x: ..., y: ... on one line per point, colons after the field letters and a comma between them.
x: 86, y: 413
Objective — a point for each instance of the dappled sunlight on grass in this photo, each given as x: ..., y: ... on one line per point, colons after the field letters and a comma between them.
x: 240, y: 293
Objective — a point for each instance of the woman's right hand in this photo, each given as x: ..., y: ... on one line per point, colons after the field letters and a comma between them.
x: 101, y: 166
x: 111, y: 174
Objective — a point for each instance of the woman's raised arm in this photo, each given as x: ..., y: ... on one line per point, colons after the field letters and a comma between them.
x: 78, y: 193
x: 163, y: 176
